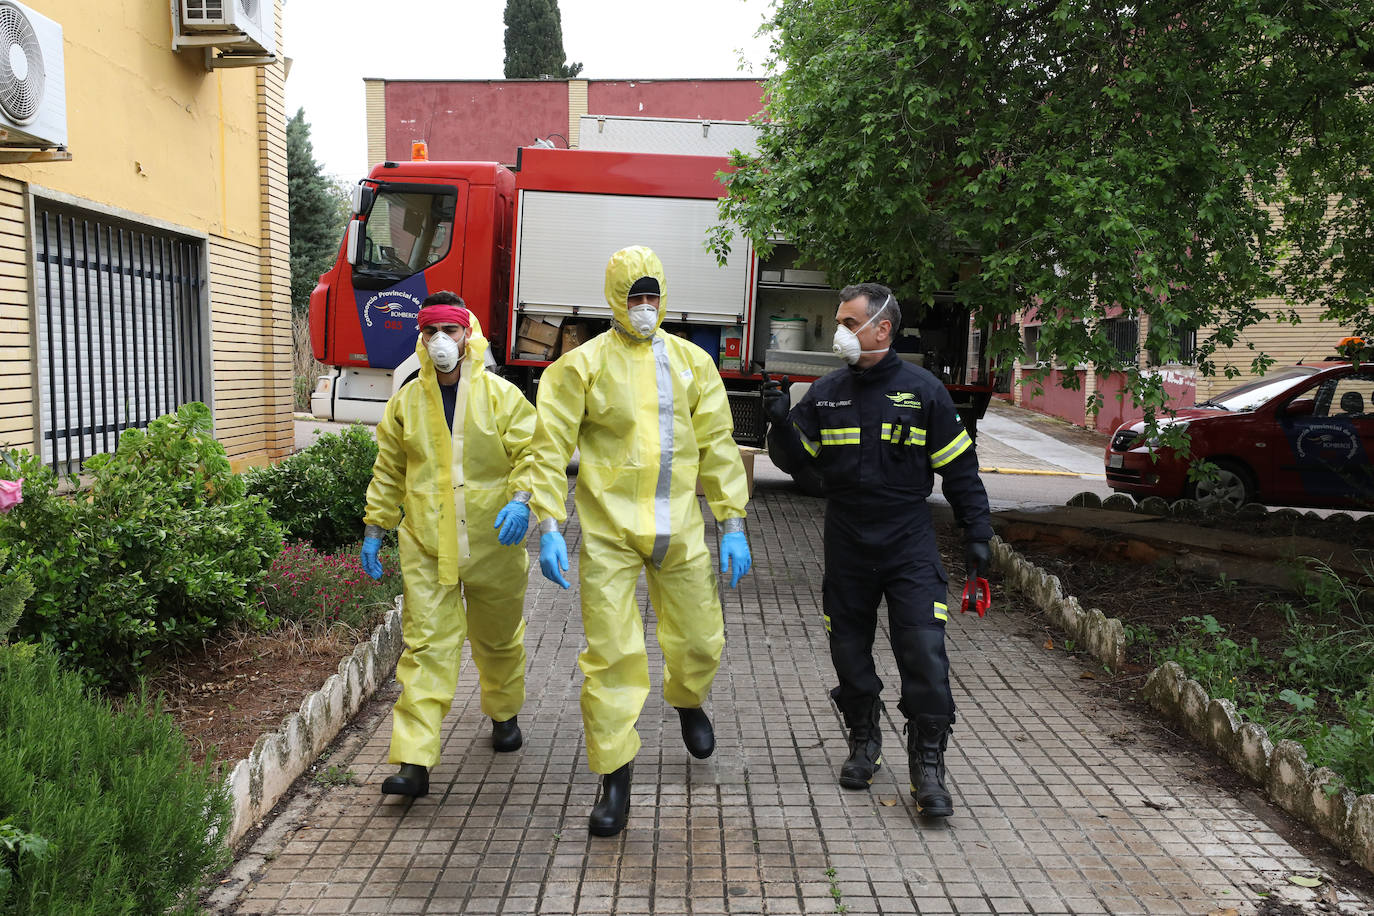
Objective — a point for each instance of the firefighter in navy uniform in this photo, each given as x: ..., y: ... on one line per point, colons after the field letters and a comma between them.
x: 876, y: 433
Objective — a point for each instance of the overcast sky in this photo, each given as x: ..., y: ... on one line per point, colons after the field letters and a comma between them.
x: 333, y: 44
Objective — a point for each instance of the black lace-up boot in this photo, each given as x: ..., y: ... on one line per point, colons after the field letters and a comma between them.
x: 927, y: 739
x: 612, y: 809
x: 865, y: 743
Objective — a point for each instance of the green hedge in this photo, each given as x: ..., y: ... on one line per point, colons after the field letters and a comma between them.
x: 319, y: 494
x: 162, y: 548
x: 127, y: 819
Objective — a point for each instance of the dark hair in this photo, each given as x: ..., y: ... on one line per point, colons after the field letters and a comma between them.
x: 444, y: 297
x: 880, y: 301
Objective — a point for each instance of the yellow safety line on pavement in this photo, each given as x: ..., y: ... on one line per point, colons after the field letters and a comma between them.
x: 1043, y: 473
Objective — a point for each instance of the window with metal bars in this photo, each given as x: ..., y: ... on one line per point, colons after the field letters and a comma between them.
x: 1124, y: 333
x: 1187, y: 348
x: 121, y: 329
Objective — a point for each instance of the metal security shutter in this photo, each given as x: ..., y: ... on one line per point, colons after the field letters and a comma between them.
x: 120, y: 329
x: 565, y: 240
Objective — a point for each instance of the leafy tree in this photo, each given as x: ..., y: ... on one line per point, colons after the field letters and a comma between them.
x: 1178, y: 159
x: 317, y: 219
x: 534, y: 41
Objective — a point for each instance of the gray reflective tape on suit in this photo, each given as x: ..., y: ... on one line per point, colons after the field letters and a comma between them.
x: 663, y: 372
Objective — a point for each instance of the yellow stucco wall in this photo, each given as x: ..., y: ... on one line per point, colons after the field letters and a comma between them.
x: 159, y: 138
x: 150, y: 129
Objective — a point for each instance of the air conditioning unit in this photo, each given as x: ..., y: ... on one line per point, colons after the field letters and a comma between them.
x: 245, y: 24
x: 33, y: 83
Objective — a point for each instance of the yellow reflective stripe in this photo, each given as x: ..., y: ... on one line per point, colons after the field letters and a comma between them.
x: 917, y: 436
x: 813, y: 448
x: 826, y: 618
x: 887, y: 432
x: 941, y: 612
x: 956, y: 448
x: 842, y: 435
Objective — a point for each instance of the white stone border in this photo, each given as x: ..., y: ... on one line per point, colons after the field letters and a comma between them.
x: 258, y: 782
x: 1315, y: 795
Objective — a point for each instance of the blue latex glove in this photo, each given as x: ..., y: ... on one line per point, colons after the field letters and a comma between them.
x: 734, y: 556
x: 553, y: 557
x: 368, y: 557
x: 513, y: 520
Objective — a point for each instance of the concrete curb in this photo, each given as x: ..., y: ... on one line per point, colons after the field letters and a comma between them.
x: 1104, y: 637
x: 1315, y: 795
x: 258, y: 782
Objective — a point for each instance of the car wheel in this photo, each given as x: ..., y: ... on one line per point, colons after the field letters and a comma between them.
x: 1233, y: 484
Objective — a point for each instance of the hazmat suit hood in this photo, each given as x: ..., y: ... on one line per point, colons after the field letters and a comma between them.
x: 474, y: 352
x: 625, y: 267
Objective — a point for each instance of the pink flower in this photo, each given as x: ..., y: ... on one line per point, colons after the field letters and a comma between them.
x: 11, y: 494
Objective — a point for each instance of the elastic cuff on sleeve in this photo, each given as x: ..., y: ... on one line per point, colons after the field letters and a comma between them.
x: 547, y: 525
x: 522, y: 497
x: 732, y: 526
x: 374, y: 531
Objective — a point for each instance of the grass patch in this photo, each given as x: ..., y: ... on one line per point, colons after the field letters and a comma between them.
x: 1313, y: 684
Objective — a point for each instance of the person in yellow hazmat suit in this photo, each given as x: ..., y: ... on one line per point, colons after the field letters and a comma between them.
x: 449, y: 446
x: 648, y: 413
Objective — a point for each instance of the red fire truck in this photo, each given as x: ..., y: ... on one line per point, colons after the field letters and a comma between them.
x: 526, y: 249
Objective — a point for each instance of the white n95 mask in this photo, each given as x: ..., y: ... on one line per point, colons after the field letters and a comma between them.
x: 846, y: 344
x: 443, y: 350
x: 643, y: 319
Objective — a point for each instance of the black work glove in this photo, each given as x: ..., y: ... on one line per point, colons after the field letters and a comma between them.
x: 977, y: 559
x: 777, y: 403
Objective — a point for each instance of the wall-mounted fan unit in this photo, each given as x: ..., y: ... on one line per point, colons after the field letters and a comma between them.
x: 33, y: 83
x: 247, y: 25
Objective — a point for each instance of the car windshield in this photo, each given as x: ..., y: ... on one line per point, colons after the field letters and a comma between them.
x: 1253, y: 394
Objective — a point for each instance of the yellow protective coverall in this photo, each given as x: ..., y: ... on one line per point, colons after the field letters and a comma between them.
x: 648, y: 416
x: 459, y: 580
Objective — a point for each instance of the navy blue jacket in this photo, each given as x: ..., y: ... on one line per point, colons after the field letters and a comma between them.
x: 877, y: 436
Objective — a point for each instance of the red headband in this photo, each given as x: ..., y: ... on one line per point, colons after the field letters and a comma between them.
x: 444, y: 314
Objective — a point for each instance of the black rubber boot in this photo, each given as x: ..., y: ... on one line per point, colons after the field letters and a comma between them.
x: 697, y: 732
x: 612, y: 809
x: 412, y: 779
x: 927, y: 739
x: 505, y: 736
x: 865, y: 744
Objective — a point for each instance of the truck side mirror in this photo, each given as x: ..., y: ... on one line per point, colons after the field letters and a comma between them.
x: 354, y: 247
x: 362, y: 199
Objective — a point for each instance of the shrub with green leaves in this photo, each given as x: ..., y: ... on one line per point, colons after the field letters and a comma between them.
x: 15, y: 589
x: 319, y: 494
x: 105, y: 814
x: 162, y: 548
x: 318, y: 590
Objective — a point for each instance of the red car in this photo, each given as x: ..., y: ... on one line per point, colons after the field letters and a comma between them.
x: 1296, y: 437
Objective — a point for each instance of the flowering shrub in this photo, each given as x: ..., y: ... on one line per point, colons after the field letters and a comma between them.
x: 11, y: 494
x: 318, y: 590
x: 158, y: 547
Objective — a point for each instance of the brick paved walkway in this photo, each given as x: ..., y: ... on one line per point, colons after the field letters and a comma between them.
x: 1063, y: 804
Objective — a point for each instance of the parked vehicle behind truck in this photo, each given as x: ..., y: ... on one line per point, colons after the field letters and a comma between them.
x: 526, y: 248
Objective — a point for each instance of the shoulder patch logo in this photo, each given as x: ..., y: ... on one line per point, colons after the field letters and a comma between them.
x: 904, y: 399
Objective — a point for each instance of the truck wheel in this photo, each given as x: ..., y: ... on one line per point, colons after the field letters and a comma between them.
x: 1233, y: 484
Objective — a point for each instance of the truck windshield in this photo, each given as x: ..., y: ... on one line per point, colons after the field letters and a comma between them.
x: 406, y: 231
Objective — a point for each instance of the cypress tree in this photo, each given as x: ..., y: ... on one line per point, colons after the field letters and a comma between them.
x: 534, y: 41
x: 314, y: 213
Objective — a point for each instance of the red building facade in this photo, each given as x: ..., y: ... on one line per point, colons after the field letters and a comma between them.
x: 489, y: 119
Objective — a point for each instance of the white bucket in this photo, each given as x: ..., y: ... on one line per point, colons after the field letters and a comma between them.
x: 787, y: 334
